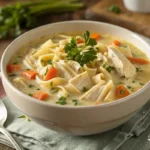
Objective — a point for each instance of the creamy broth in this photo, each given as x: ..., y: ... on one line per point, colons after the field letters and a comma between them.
x: 86, y: 69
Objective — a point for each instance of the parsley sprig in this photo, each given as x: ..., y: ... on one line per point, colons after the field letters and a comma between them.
x: 88, y: 41
x: 81, y: 55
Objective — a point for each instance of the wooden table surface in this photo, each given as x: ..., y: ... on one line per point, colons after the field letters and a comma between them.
x: 73, y: 16
x: 67, y: 16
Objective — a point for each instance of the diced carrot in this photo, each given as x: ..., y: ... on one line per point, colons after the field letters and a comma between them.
x: 52, y: 73
x: 40, y: 95
x: 12, y: 68
x: 95, y: 36
x: 138, y: 60
x: 116, y: 42
x: 29, y: 74
x: 97, y: 103
x: 121, y: 91
x: 79, y: 41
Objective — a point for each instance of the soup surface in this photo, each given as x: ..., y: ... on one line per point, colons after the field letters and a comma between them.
x: 83, y: 69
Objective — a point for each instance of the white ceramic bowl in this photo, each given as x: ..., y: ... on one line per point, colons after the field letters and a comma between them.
x: 76, y: 120
x: 137, y: 5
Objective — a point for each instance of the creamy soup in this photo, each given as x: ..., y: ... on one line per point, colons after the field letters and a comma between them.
x: 83, y: 69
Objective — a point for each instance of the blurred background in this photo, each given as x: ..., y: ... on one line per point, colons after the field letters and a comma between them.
x: 19, y: 16
x: 24, y: 15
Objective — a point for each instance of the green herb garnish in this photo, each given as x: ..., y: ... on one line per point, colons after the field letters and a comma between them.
x: 62, y: 101
x: 15, y: 63
x: 54, y: 90
x: 141, y: 83
x: 19, y: 56
x: 46, y: 71
x: 139, y: 70
x: 114, y: 9
x: 30, y: 86
x: 129, y: 87
x: 109, y: 68
x: 75, y: 102
x: 30, y: 94
x: 46, y: 62
x: 104, y: 65
x: 51, y: 84
x: 84, y: 89
x: 12, y: 75
x: 121, y: 91
x: 24, y: 117
x: 49, y: 62
x: 88, y: 41
x: 38, y: 89
x: 78, y: 54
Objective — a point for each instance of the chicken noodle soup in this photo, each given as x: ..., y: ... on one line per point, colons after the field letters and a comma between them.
x: 86, y: 69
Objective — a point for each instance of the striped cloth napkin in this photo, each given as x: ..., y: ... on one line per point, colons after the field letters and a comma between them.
x: 34, y: 137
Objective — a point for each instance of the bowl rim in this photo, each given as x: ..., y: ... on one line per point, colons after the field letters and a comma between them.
x: 4, y: 74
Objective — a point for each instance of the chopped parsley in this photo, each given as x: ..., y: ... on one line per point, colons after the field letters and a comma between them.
x: 19, y: 56
x: 84, y: 89
x: 129, y: 87
x: 30, y: 85
x: 62, y: 101
x: 114, y: 9
x: 75, y: 102
x: 97, y: 49
x: 24, y: 117
x: 104, y: 65
x: 12, y: 75
x: 139, y: 70
x: 54, y: 90
x: 45, y: 62
x: 30, y: 94
x: 141, y: 83
x: 109, y: 68
x: 49, y: 62
x: 133, y: 81
x: 15, y: 63
x: 121, y: 92
x: 38, y: 89
x: 51, y: 84
x: 77, y: 53
x: 46, y: 71
x: 125, y: 46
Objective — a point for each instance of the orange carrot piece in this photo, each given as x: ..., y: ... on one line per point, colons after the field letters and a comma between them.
x: 138, y: 60
x: 97, y: 103
x: 52, y: 73
x: 40, y: 95
x: 121, y: 91
x: 116, y: 42
x: 79, y: 41
x: 12, y: 68
x: 95, y: 36
x: 29, y: 74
